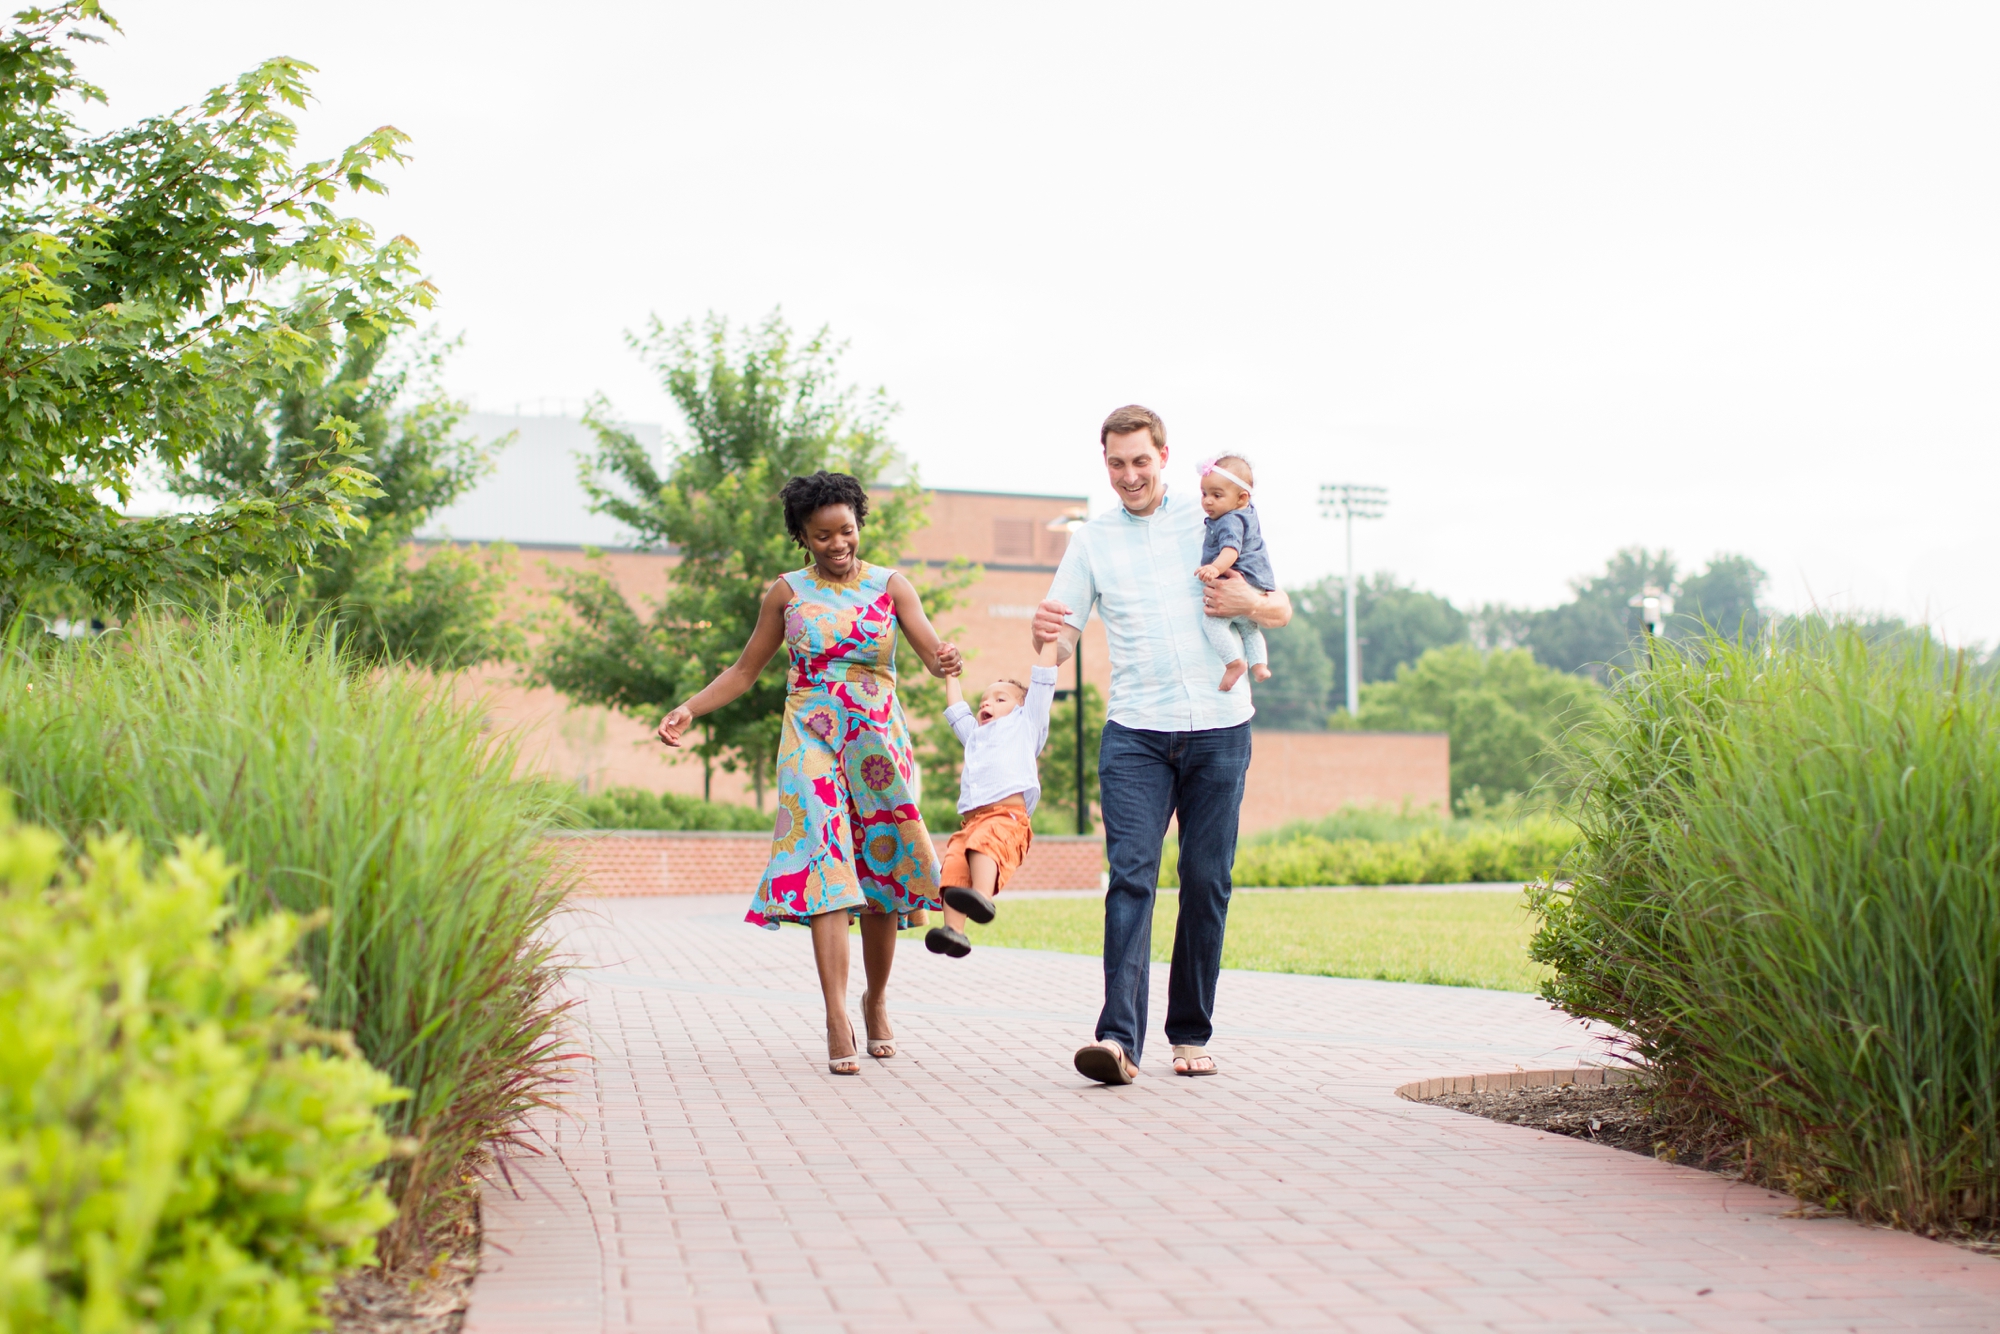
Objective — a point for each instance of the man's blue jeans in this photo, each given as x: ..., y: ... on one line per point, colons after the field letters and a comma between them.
x: 1143, y: 778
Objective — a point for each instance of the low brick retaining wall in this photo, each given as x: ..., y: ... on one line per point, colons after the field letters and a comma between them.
x: 644, y: 861
x: 1515, y: 1079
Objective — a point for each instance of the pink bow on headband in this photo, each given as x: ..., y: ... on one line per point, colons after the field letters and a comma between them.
x: 1209, y: 465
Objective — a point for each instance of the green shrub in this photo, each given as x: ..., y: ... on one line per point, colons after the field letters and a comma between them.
x: 1378, y: 824
x: 1457, y: 853
x: 636, y: 808
x: 1787, y: 896
x: 179, y: 1147
x: 374, y: 796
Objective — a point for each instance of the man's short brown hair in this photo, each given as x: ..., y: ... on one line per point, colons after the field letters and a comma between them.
x: 1132, y: 418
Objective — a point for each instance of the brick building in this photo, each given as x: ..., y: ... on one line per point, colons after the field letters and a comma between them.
x: 534, y: 501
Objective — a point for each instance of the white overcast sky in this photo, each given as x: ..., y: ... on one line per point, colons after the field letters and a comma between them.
x: 1564, y: 277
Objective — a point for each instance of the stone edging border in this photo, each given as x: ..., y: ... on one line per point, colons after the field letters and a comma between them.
x: 1421, y: 1089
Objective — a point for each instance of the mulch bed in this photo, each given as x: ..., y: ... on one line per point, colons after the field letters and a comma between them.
x: 1620, y: 1115
x: 426, y: 1297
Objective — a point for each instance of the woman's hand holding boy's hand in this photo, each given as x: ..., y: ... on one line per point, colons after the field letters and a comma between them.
x: 673, y: 725
x: 949, y: 661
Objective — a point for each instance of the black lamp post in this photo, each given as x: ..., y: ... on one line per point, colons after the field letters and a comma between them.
x: 1069, y: 523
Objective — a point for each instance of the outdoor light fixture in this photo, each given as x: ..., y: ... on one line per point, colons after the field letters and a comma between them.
x: 1351, y: 501
x: 1655, y: 604
x: 1069, y: 523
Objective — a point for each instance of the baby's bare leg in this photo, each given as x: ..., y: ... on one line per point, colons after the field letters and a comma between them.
x: 1234, y: 673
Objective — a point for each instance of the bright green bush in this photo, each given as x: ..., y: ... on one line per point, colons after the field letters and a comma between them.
x: 372, y: 796
x: 636, y: 808
x: 1377, y: 824
x: 179, y: 1147
x: 1458, y: 853
x: 1787, y: 896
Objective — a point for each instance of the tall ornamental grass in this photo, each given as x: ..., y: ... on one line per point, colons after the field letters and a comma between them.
x: 1788, y: 896
x: 372, y: 796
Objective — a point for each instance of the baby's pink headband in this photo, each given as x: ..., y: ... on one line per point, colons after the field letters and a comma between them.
x: 1209, y: 465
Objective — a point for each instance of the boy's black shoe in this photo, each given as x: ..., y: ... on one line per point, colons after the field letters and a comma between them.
x: 970, y: 902
x: 944, y: 940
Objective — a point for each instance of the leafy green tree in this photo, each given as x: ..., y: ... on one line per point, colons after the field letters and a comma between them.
x: 759, y: 409
x: 1724, y: 596
x: 1597, y: 628
x: 1057, y: 811
x: 1396, y: 624
x: 1503, y: 711
x: 157, y: 283
x: 439, y: 611
x: 1296, y: 698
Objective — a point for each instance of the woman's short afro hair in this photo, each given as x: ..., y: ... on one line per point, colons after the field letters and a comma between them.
x: 806, y: 496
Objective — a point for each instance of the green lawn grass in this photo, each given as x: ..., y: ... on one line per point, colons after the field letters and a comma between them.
x: 1453, y: 940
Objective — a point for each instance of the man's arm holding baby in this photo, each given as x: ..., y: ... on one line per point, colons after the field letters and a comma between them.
x: 1233, y: 595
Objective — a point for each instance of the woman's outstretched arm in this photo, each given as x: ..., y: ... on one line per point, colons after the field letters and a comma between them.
x: 739, y: 676
x: 941, y: 658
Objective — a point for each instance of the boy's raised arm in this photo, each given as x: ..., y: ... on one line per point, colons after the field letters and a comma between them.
x: 957, y: 714
x: 1042, y: 689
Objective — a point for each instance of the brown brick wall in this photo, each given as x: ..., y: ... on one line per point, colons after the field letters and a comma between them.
x: 645, y: 862
x: 1304, y: 775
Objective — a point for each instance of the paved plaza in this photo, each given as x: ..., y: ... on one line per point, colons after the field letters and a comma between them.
x: 712, y: 1176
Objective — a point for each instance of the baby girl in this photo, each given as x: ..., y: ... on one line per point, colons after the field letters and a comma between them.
x: 1233, y: 540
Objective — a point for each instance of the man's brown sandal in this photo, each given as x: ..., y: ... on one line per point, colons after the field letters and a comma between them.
x: 1185, y: 1057
x: 1106, y: 1063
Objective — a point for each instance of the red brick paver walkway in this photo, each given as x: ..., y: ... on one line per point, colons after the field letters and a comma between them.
x: 714, y: 1177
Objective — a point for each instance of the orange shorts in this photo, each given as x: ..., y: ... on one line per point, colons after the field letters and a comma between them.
x: 999, y: 830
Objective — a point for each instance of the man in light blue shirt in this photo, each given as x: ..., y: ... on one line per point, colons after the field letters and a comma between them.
x: 1174, y: 747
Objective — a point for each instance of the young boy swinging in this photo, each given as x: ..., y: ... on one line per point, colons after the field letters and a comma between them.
x: 997, y: 791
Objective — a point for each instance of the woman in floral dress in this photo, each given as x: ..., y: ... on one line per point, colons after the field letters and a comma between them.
x: 849, y: 841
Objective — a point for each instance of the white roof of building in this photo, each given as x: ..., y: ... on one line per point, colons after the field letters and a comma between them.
x: 532, y: 496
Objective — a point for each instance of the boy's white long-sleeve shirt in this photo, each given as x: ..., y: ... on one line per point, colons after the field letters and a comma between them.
x: 1000, y: 757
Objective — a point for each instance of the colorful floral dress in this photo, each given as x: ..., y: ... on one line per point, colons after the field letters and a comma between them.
x: 848, y: 833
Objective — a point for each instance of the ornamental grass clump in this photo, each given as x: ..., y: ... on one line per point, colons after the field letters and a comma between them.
x: 180, y: 1148
x: 1787, y: 896
x: 373, y: 797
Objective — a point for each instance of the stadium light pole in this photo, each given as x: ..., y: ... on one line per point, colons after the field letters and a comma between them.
x: 1068, y: 524
x: 1351, y: 501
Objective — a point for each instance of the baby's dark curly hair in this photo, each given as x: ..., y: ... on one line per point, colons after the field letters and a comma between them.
x: 805, y: 496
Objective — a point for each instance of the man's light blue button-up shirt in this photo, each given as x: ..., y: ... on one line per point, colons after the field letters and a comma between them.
x: 1139, y: 575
